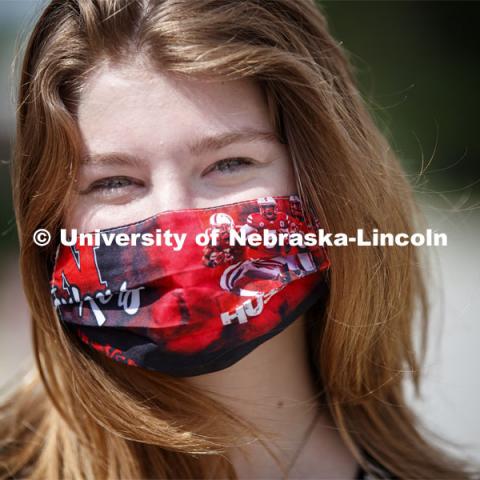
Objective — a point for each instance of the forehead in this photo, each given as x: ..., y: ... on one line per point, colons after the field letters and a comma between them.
x: 138, y: 106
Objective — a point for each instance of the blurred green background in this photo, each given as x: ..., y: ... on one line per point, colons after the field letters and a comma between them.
x: 417, y: 63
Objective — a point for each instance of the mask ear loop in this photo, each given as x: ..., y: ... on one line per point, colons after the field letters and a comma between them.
x: 314, y: 324
x: 52, y: 259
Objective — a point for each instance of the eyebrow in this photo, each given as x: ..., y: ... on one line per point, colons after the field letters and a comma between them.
x: 112, y: 158
x: 197, y: 147
x: 215, y: 142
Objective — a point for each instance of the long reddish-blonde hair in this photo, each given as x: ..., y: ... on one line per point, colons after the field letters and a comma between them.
x: 79, y: 415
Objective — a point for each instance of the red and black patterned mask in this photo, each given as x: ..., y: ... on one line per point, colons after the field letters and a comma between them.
x: 196, y: 309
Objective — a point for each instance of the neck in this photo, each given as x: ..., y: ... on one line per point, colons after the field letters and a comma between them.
x: 272, y: 387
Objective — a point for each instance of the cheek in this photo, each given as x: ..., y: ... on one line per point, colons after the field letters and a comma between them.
x: 86, y: 218
x: 281, y: 177
x: 81, y: 215
x: 86, y: 215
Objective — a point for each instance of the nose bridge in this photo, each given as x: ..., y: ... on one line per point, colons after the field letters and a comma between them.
x: 171, y: 188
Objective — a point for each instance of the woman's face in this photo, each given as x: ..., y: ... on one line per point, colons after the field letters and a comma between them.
x: 155, y: 142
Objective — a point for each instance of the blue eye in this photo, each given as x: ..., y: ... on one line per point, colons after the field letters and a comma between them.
x: 109, y: 184
x: 230, y: 165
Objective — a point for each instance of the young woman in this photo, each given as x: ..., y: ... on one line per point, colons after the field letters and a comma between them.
x: 129, y: 109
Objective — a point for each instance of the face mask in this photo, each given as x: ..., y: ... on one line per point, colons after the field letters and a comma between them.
x: 184, y: 300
